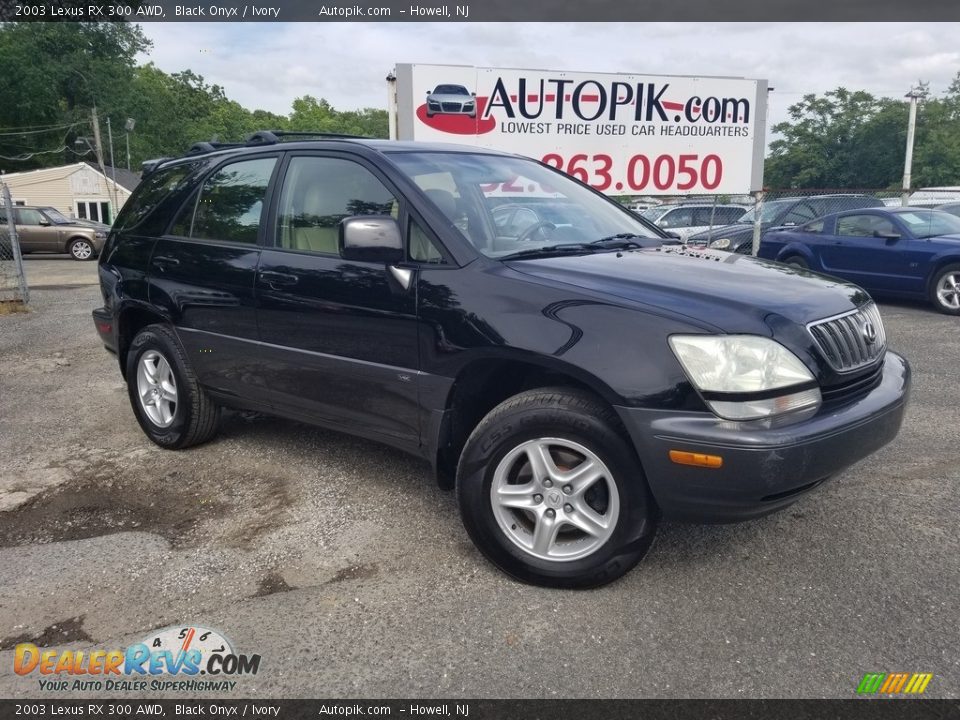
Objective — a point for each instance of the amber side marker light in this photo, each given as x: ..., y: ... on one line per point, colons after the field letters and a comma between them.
x: 697, y: 459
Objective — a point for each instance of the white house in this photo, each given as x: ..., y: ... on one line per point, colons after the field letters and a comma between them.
x: 78, y: 191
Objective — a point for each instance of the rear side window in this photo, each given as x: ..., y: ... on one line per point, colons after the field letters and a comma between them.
x: 151, y: 191
x: 231, y: 202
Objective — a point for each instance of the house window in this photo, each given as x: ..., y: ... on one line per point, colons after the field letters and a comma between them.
x: 95, y: 210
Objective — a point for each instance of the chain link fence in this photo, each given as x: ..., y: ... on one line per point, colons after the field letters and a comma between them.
x: 14, y: 293
x: 738, y: 222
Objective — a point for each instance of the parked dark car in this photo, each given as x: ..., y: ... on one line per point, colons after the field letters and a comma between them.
x: 46, y: 229
x: 573, y: 385
x: 902, y: 252
x: 783, y: 212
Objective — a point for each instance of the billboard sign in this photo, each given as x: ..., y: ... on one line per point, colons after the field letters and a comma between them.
x: 622, y: 134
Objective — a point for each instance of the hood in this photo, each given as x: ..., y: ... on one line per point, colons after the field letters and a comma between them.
x: 727, y: 291
x: 86, y: 224
x: 736, y: 230
x: 948, y: 239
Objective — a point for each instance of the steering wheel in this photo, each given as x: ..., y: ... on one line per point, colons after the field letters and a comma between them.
x: 535, y: 228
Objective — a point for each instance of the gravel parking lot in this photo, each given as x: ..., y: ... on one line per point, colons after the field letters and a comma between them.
x: 347, y: 569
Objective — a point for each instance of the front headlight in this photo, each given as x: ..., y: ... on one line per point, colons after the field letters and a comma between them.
x: 745, y: 377
x: 100, y: 235
x: 720, y: 244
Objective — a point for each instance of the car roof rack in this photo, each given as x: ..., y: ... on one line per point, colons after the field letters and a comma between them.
x: 261, y: 137
x: 270, y: 137
x: 148, y: 166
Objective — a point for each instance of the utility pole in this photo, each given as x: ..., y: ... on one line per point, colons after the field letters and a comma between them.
x: 99, y: 148
x: 913, y: 96
x: 113, y: 167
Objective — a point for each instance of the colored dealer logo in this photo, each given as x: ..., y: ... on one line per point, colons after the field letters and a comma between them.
x: 185, y: 651
x: 894, y: 683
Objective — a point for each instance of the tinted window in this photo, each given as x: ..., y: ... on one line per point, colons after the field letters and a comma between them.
x: 864, y: 226
x: 318, y: 193
x: 29, y: 216
x: 153, y: 189
x: 800, y: 214
x: 679, y: 218
x: 728, y: 215
x: 231, y: 202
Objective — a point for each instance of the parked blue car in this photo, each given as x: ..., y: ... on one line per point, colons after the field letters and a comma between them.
x: 902, y: 252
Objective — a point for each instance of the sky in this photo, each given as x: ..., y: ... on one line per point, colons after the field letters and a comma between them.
x: 267, y: 65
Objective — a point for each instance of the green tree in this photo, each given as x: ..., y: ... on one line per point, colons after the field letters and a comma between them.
x: 853, y: 140
x: 53, y: 74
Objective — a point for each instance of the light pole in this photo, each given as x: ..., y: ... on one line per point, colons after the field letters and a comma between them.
x: 128, y: 127
x: 913, y: 96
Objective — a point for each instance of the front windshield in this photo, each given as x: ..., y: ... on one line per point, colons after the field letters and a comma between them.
x: 771, y: 211
x: 505, y: 205
x: 930, y: 223
x: 450, y: 90
x: 56, y: 216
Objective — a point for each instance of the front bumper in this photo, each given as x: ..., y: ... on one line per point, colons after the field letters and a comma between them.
x: 764, y: 468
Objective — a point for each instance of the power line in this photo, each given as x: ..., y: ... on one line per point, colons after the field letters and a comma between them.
x: 28, y: 156
x: 39, y: 132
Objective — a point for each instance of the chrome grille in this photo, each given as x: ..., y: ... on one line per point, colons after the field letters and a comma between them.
x: 844, y: 339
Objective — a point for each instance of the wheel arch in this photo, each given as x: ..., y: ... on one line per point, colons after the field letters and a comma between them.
x: 482, y: 384
x: 131, y: 320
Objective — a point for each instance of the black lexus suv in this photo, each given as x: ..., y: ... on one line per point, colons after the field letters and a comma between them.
x: 574, y: 381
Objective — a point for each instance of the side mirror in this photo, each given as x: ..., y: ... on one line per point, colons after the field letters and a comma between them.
x: 429, y: 92
x: 45, y: 223
x: 371, y: 238
x: 886, y: 236
x: 474, y: 94
x: 789, y: 224
x: 674, y: 235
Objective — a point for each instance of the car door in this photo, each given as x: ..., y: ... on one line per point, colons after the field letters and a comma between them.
x: 340, y: 336
x: 202, y: 273
x: 872, y: 250
x: 35, y: 231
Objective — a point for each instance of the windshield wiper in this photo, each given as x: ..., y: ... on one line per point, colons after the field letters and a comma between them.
x: 620, y: 240
x: 546, y: 250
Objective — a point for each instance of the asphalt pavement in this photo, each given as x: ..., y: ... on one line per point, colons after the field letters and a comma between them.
x: 344, y: 566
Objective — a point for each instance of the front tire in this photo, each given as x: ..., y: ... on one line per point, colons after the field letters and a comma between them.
x: 552, y: 493
x: 945, y: 290
x: 797, y: 262
x: 81, y: 249
x: 171, y: 407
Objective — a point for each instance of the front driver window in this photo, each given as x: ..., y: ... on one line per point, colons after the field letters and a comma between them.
x: 318, y: 193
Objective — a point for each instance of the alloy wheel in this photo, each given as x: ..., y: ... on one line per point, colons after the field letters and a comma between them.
x: 157, y: 388
x: 555, y: 499
x: 948, y: 291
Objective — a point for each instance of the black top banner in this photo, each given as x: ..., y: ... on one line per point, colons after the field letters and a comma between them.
x: 441, y: 11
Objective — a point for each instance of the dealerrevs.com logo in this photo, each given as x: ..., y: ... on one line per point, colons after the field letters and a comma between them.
x: 172, y: 659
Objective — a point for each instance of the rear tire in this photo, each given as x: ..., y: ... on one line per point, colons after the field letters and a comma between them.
x: 797, y: 262
x: 945, y: 290
x: 527, y: 510
x: 81, y: 249
x: 171, y: 407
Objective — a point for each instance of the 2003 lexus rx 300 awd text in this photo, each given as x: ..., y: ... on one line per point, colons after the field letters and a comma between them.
x: 573, y: 382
